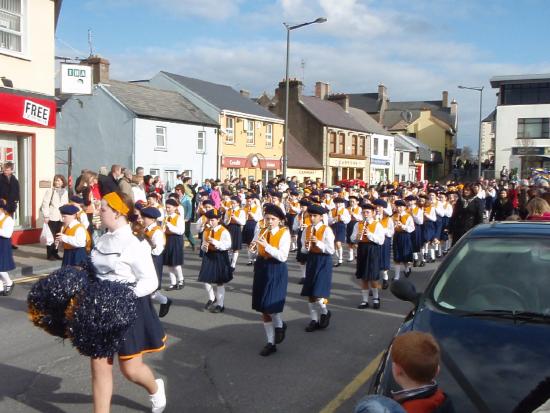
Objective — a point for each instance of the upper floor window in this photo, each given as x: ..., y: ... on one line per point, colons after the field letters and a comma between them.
x: 229, y: 130
x: 386, y: 147
x: 269, y: 136
x: 160, y: 142
x: 375, y: 146
x: 533, y: 128
x: 249, y: 127
x: 361, y: 146
x: 332, y: 142
x: 12, y: 21
x: 525, y: 94
x: 341, y: 143
x: 201, y: 142
x: 354, y: 145
x: 401, y: 156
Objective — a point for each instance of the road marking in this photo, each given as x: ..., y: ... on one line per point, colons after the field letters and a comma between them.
x: 29, y: 278
x: 352, y: 387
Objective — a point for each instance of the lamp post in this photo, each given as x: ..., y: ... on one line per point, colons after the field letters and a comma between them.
x: 285, y: 141
x: 480, y: 90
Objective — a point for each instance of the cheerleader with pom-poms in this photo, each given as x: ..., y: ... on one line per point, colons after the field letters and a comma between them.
x: 6, y: 255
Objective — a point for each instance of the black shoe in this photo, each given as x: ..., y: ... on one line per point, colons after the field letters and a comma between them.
x: 172, y: 287
x: 408, y: 273
x: 51, y: 258
x: 268, y: 349
x: 385, y: 284
x: 422, y: 263
x: 363, y: 305
x: 312, y: 326
x: 337, y: 264
x: 325, y: 320
x: 13, y: 247
x: 57, y: 257
x: 280, y: 333
x: 302, y: 281
x: 370, y: 293
x: 376, y: 303
x: 438, y: 255
x: 8, y: 289
x: 209, y: 304
x: 180, y: 285
x: 415, y: 263
x: 164, y: 308
x: 216, y: 309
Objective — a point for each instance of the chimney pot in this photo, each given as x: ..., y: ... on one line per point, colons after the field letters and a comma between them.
x: 100, y: 68
x: 445, y: 99
x: 322, y: 90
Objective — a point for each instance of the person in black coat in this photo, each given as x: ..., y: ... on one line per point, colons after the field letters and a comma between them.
x: 9, y: 188
x: 467, y: 213
x: 502, y: 208
x: 109, y: 183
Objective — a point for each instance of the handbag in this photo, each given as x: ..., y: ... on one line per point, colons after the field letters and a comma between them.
x: 46, y: 236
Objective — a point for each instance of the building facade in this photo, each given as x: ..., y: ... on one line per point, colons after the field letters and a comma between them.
x: 488, y: 126
x: 404, y: 160
x: 522, y: 138
x: 27, y: 104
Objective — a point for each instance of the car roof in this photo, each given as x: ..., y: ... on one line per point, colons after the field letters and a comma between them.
x: 511, y: 229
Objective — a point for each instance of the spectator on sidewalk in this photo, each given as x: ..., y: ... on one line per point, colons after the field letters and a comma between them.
x: 538, y: 210
x: 125, y: 183
x: 109, y: 183
x: 54, y: 198
x: 502, y: 208
x: 9, y: 190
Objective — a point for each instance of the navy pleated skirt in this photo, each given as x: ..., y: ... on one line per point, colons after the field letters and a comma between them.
x: 368, y: 261
x: 74, y: 256
x: 290, y: 222
x: 146, y: 335
x: 385, y: 254
x: 444, y: 227
x: 402, y: 247
x: 248, y: 231
x: 300, y: 256
x: 438, y: 227
x: 428, y: 231
x: 318, y: 282
x: 269, y: 285
x: 173, y: 252
x: 236, y: 232
x: 416, y: 238
x: 349, y: 230
x: 158, y: 261
x: 339, y: 230
x: 6, y: 255
x: 215, y: 268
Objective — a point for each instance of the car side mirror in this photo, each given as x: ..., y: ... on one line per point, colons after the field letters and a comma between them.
x: 405, y: 290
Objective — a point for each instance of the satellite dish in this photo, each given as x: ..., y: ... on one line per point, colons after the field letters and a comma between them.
x: 406, y: 116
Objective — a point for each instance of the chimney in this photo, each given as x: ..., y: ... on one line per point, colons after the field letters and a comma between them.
x: 245, y: 93
x: 382, y: 93
x: 322, y: 90
x: 445, y: 99
x: 454, y: 112
x: 100, y: 68
x: 341, y: 99
x: 382, y: 102
x: 295, y: 92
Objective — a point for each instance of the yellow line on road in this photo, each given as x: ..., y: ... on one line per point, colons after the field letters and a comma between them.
x: 352, y: 387
x: 29, y: 278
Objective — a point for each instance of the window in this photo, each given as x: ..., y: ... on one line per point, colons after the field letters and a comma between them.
x: 249, y: 132
x: 170, y: 178
x: 375, y: 146
x: 386, y: 146
x: 361, y: 146
x: 533, y: 128
x: 201, y: 142
x: 332, y: 142
x: 229, y: 131
x: 160, y: 143
x: 401, y: 156
x: 188, y: 173
x: 341, y: 143
x: 412, y: 157
x: 233, y: 173
x: 154, y: 172
x: 354, y: 145
x: 525, y: 94
x: 269, y: 136
x: 12, y: 25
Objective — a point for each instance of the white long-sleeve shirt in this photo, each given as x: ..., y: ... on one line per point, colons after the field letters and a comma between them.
x: 78, y: 240
x: 390, y: 229
x: 448, y: 210
x: 377, y: 236
x: 225, y: 240
x: 7, y: 227
x: 419, y: 216
x: 281, y: 253
x: 345, y: 217
x: 237, y: 216
x: 179, y: 228
x: 409, y: 223
x: 120, y: 256
x: 158, y: 240
x: 430, y: 215
x: 256, y: 216
x: 326, y: 245
x: 439, y: 209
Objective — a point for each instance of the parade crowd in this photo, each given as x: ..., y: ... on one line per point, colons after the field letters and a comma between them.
x: 133, y: 229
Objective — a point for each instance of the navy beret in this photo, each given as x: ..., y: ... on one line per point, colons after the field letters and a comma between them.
x: 150, y: 212
x: 316, y: 209
x: 171, y: 201
x: 380, y: 202
x: 69, y: 209
x: 400, y: 202
x: 274, y: 210
x: 212, y: 214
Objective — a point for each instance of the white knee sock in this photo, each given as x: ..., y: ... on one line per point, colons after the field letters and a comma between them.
x: 220, y: 295
x: 269, y: 332
x: 313, y: 311
x: 179, y: 272
x: 351, y: 254
x: 172, y: 274
x: 374, y: 292
x: 415, y: 256
x: 234, y: 258
x: 6, y: 278
x: 397, y: 269
x: 277, y: 320
x: 304, y: 271
x: 250, y: 256
x: 432, y: 253
x: 365, y: 295
x: 322, y: 303
x: 385, y: 275
x: 447, y: 244
x: 158, y: 297
x: 340, y: 254
x: 210, y: 292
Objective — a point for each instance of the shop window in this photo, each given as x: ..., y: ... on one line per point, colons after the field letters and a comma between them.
x: 233, y: 173
x: 533, y: 128
x: 229, y: 131
x: 268, y: 174
x: 12, y: 26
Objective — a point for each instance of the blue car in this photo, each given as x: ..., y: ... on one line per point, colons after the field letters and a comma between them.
x: 488, y: 306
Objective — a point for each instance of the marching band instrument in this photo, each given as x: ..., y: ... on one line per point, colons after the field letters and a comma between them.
x: 61, y: 232
x: 253, y: 247
x: 309, y: 239
x: 365, y: 230
x: 206, y: 242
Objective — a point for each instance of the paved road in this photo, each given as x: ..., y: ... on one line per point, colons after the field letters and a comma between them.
x: 211, y: 363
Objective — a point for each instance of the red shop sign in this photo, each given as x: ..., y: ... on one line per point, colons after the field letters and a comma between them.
x: 233, y: 162
x: 27, y: 110
x: 270, y: 164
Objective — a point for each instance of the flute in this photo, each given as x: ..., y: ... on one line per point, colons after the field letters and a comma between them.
x: 253, y: 247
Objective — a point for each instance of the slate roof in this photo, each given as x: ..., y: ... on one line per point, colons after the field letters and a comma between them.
x: 435, y: 106
x: 402, y: 144
x: 424, y: 151
x: 299, y: 156
x: 367, y: 121
x: 330, y: 113
x: 221, y: 96
x: 366, y: 101
x: 491, y: 117
x: 147, y: 102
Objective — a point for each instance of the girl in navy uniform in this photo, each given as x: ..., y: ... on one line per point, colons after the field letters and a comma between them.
x: 202, y: 221
x: 439, y: 214
x: 338, y: 219
x: 355, y: 216
x: 6, y: 253
x: 445, y: 243
x: 318, y: 244
x: 402, y: 242
x: 119, y: 256
x: 157, y: 240
x: 253, y: 211
x: 292, y: 210
x: 75, y: 238
x: 385, y: 251
x: 369, y: 235
x: 174, y: 228
x: 234, y: 220
x: 271, y: 276
x: 428, y: 234
x: 215, y: 267
x: 301, y: 222
x: 417, y: 214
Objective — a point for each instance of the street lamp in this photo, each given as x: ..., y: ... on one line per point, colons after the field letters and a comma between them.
x: 285, y: 141
x: 480, y: 90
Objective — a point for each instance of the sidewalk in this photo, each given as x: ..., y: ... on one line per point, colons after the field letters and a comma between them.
x: 31, y: 259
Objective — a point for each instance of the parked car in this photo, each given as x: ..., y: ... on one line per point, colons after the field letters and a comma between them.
x: 488, y: 306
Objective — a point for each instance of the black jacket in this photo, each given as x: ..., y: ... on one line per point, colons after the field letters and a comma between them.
x: 467, y: 213
x: 501, y: 210
x: 107, y: 184
x: 9, y: 190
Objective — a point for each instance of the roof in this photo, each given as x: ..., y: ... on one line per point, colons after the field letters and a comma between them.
x: 367, y: 121
x: 424, y: 151
x: 222, y: 96
x: 496, y: 81
x: 299, y: 156
x: 512, y: 229
x: 401, y: 144
x: 153, y: 103
x: 366, y: 101
x: 330, y: 113
x: 434, y: 106
x: 491, y: 117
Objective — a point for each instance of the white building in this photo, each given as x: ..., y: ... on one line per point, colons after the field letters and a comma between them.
x: 522, y: 137
x: 382, y: 157
x: 135, y: 125
x: 404, y: 160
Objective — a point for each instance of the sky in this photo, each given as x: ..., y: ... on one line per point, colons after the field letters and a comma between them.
x: 416, y: 49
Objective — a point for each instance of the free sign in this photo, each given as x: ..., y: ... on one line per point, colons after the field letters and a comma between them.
x: 36, y: 112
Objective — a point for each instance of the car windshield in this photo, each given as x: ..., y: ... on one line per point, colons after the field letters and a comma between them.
x: 489, y: 274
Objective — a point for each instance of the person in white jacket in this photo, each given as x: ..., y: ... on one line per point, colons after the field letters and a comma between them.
x: 54, y: 198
